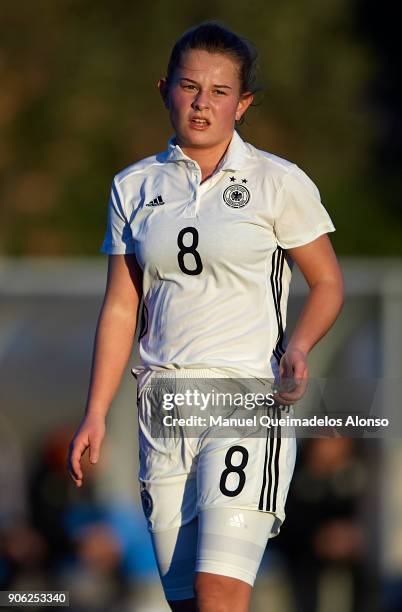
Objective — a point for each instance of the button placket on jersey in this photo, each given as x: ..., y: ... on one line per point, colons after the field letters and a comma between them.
x: 199, y: 189
x: 192, y: 206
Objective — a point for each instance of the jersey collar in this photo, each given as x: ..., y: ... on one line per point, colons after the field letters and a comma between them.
x: 233, y: 160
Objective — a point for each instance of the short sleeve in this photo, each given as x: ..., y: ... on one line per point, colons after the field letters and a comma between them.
x: 299, y: 215
x: 118, y: 236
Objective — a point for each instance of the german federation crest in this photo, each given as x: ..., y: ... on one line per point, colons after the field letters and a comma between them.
x: 147, y: 504
x: 236, y: 196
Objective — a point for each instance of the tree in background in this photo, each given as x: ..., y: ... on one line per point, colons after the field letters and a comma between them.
x: 78, y: 103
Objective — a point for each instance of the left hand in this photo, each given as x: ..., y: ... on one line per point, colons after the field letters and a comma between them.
x: 293, y: 371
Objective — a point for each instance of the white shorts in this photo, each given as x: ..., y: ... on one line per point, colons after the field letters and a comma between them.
x: 209, y: 467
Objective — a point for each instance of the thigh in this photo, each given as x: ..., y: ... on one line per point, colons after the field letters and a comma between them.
x: 167, y: 470
x: 231, y: 542
x: 175, y: 552
x: 168, y: 493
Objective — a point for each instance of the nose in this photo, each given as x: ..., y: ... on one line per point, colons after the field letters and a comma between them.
x: 201, y: 101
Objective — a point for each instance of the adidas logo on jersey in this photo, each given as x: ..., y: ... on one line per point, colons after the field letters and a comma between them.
x: 158, y: 201
x: 237, y: 520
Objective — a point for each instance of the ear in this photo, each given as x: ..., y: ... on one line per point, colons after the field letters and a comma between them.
x: 244, y: 102
x: 164, y: 92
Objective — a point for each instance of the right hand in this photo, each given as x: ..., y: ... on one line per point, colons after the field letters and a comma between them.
x: 89, y: 434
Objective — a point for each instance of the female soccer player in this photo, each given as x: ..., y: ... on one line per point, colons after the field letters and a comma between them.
x: 206, y: 234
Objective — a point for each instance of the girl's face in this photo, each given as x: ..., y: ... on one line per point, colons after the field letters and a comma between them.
x: 204, y: 99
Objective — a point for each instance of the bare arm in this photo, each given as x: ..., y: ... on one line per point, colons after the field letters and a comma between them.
x: 115, y: 332
x: 319, y: 266
x: 112, y: 348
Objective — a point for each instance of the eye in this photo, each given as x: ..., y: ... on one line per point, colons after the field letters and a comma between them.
x: 220, y: 92
x: 188, y: 86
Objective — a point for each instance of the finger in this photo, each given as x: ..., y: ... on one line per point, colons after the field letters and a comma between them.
x: 287, y: 398
x: 74, y: 477
x: 296, y: 393
x: 286, y: 385
x: 76, y: 455
x: 94, y: 450
x: 77, y: 481
x: 283, y: 402
x: 295, y: 383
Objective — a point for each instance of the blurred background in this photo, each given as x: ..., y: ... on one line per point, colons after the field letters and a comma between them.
x: 78, y: 102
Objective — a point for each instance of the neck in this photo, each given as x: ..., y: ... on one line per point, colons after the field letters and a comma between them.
x: 207, y: 158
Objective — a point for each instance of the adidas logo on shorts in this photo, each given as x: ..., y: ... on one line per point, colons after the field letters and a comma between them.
x: 158, y: 201
x: 237, y: 520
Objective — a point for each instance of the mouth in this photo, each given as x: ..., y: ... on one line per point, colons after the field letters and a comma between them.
x: 199, y: 123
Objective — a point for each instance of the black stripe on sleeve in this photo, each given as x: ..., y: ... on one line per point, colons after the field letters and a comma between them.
x: 278, y: 258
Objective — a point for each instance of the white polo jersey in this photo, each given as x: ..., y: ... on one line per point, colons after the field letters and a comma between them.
x: 215, y: 272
